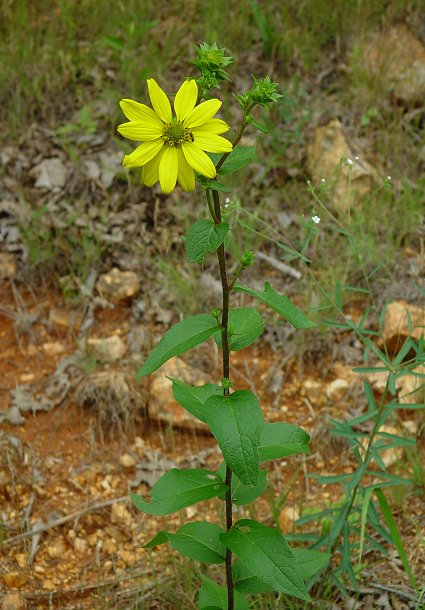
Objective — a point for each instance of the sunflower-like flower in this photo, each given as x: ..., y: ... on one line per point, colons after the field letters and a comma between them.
x: 173, y: 146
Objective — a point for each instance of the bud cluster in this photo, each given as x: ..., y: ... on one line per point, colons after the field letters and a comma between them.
x: 211, y: 62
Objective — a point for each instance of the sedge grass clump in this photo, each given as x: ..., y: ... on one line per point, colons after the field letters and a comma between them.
x: 186, y: 146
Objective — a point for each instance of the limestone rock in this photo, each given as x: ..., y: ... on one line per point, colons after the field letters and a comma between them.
x: 314, y: 392
x: 396, y: 327
x: 65, y: 319
x: 50, y: 174
x: 162, y: 405
x: 15, y: 580
x: 109, y: 349
x: 324, y: 155
x: 117, y: 285
x: 7, y: 265
x: 397, y: 59
x: 287, y: 518
x: 120, y: 514
x: 13, y: 601
x: 127, y: 460
x: 337, y: 389
x: 57, y: 548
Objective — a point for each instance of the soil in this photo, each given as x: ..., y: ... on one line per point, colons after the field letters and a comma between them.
x: 68, y: 470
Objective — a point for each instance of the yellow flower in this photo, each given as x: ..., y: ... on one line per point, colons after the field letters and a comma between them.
x: 173, y: 146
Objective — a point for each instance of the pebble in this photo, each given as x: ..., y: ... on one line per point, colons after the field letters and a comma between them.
x: 127, y: 460
x: 109, y: 349
x: 13, y: 601
x: 337, y: 389
x: 117, y: 285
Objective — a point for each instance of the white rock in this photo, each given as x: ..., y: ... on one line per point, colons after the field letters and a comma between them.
x: 127, y: 460
x: 396, y: 321
x: 50, y: 174
x: 337, y: 389
x: 109, y: 349
x: 120, y: 515
x: 117, y: 285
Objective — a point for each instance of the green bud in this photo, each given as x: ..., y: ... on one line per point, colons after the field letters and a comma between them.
x: 247, y: 258
x: 226, y: 383
x: 263, y: 92
x: 215, y: 314
x: 211, y: 62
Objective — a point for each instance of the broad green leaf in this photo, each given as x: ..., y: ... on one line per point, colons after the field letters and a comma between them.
x: 236, y: 423
x: 238, y: 158
x: 265, y: 552
x: 245, y: 326
x: 308, y: 562
x: 179, y: 339
x: 279, y: 303
x: 257, y: 125
x: 177, y: 489
x: 392, y: 526
x: 212, y: 595
x: 193, y: 398
x: 199, y: 540
x: 244, y: 494
x: 204, y: 236
x: 279, y: 440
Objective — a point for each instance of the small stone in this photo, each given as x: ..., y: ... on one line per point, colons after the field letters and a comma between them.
x: 337, y: 389
x: 13, y: 601
x: 110, y: 547
x: 109, y: 349
x: 52, y: 348
x: 57, y: 548
x: 119, y: 514
x: 396, y: 327
x: 21, y: 560
x: 117, y: 285
x: 128, y: 557
x: 7, y: 266
x: 65, y: 319
x: 50, y: 174
x: 39, y: 570
x: 314, y: 391
x: 48, y: 585
x: 411, y: 426
x: 287, y: 517
x: 80, y: 545
x: 127, y: 460
x: 14, y: 580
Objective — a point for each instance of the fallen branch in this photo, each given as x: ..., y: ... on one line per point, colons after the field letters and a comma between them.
x: 79, y: 513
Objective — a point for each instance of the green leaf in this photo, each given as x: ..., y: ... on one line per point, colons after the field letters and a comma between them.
x: 279, y: 303
x: 236, y: 423
x: 193, y: 398
x: 392, y: 526
x: 160, y: 538
x: 246, y: 325
x: 177, y: 489
x: 265, y: 552
x: 244, y: 494
x: 238, y: 158
x: 279, y: 440
x: 212, y: 595
x: 199, y: 540
x: 204, y: 236
x: 257, y: 125
x: 179, y: 339
x: 310, y: 562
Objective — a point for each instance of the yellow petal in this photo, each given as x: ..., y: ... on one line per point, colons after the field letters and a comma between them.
x: 150, y: 171
x: 160, y: 101
x: 135, y: 111
x: 185, y: 99
x: 185, y: 174
x: 216, y: 126
x: 211, y: 142
x: 168, y: 169
x: 143, y: 153
x: 202, y: 113
x: 140, y: 130
x: 197, y: 159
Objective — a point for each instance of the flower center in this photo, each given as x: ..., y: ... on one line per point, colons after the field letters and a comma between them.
x: 175, y: 134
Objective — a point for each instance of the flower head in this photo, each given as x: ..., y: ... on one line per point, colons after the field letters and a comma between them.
x: 173, y: 145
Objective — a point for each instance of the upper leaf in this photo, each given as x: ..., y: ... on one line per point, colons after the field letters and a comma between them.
x: 236, y: 423
x: 265, y: 552
x: 212, y: 595
x: 245, y: 326
x: 279, y: 440
x: 238, y: 158
x: 279, y: 303
x: 204, y: 236
x: 181, y: 337
x: 177, y: 489
x: 192, y: 398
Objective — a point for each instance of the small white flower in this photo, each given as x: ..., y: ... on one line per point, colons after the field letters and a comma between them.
x: 349, y: 161
x: 389, y: 178
x: 315, y: 219
x: 323, y: 180
x: 356, y: 158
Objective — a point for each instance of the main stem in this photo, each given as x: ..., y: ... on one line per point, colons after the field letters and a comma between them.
x: 226, y: 374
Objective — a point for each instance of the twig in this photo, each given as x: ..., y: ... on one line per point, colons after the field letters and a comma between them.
x: 79, y: 513
x: 279, y: 265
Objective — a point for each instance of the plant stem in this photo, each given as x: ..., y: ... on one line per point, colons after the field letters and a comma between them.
x: 226, y: 373
x: 237, y: 137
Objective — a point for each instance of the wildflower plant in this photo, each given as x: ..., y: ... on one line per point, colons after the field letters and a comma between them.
x: 186, y: 146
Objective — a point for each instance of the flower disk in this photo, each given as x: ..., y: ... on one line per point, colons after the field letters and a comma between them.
x: 173, y: 147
